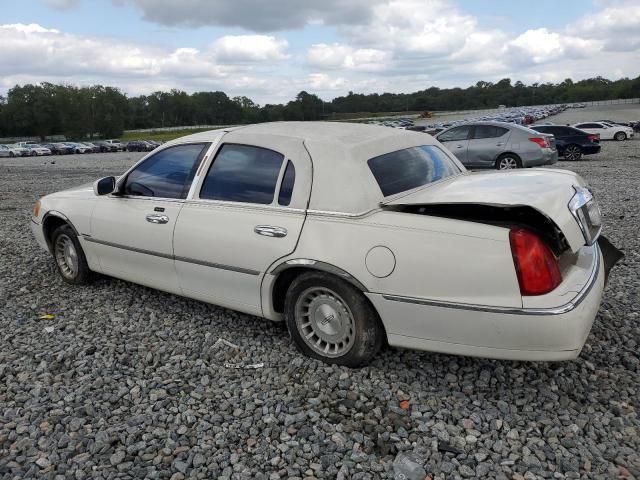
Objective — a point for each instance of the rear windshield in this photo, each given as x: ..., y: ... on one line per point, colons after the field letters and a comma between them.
x: 410, y: 168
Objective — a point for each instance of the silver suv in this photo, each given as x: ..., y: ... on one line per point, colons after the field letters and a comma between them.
x: 499, y: 145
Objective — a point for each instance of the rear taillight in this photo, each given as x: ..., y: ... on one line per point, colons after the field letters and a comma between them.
x: 543, y: 142
x: 594, y: 137
x: 536, y: 265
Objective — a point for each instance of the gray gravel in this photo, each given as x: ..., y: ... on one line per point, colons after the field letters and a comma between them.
x: 128, y: 382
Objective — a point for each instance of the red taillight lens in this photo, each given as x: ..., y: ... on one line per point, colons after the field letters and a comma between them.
x: 594, y: 138
x: 536, y: 265
x: 543, y: 142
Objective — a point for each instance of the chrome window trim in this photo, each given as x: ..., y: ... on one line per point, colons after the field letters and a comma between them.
x: 333, y: 214
x: 143, y: 251
x: 244, y: 205
x: 567, y: 307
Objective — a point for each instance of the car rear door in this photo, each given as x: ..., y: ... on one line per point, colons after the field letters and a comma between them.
x: 246, y: 210
x: 456, y: 139
x: 132, y: 232
x: 486, y: 144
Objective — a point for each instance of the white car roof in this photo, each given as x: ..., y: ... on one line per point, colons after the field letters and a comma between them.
x: 342, y: 181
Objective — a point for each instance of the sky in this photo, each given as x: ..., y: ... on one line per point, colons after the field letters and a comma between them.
x: 271, y: 50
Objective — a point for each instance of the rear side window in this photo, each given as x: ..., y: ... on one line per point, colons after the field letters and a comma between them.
x: 410, y: 168
x: 455, y: 134
x: 488, y: 131
x: 243, y: 173
x: 286, y: 187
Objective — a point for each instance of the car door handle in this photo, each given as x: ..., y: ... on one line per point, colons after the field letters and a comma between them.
x: 270, y: 231
x: 157, y: 218
x: 499, y: 144
x: 459, y: 146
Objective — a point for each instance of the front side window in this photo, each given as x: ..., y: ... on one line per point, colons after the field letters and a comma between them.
x: 488, y: 131
x: 410, y: 168
x: 455, y: 134
x: 168, y: 173
x: 243, y: 173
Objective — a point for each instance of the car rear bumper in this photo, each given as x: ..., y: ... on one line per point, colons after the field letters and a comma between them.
x: 544, y: 156
x: 591, y: 149
x: 546, y: 334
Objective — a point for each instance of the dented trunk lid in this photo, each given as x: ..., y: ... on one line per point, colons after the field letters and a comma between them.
x: 546, y: 190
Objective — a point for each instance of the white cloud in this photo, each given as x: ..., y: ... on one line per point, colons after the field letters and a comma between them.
x: 249, y: 48
x: 542, y: 46
x: 342, y: 56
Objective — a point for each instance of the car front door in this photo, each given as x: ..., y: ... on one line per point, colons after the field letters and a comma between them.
x: 132, y: 230
x: 246, y: 212
x: 486, y: 144
x: 456, y: 140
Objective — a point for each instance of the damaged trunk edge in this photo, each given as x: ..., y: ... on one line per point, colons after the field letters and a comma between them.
x: 502, y: 216
x: 518, y: 216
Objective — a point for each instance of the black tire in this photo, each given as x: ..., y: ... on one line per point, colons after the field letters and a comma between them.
x: 508, y: 159
x: 365, y: 332
x: 620, y: 136
x: 59, y: 242
x: 11, y: 154
x: 572, y: 153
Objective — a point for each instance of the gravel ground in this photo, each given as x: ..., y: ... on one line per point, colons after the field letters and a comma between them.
x: 128, y: 382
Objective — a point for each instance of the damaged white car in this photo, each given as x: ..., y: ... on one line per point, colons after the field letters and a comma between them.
x: 352, y: 234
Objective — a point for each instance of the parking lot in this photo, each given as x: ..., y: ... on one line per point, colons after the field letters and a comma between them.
x: 124, y: 381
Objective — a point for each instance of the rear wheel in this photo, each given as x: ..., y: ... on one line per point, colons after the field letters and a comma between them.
x: 620, y: 136
x: 508, y: 161
x: 331, y: 320
x: 573, y: 153
x: 11, y: 154
x: 69, y: 256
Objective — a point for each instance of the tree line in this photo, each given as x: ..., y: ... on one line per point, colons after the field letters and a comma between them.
x: 80, y: 112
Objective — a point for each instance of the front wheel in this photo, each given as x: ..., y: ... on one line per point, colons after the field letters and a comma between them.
x: 508, y: 161
x: 620, y: 136
x: 331, y: 320
x: 70, y: 260
x: 573, y: 153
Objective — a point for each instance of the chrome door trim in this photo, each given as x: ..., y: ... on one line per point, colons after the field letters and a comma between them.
x: 567, y: 307
x: 172, y: 257
x: 157, y: 218
x: 270, y: 231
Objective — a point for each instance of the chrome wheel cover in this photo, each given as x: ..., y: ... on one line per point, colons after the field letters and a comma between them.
x: 325, y: 322
x: 507, y: 163
x: 66, y: 256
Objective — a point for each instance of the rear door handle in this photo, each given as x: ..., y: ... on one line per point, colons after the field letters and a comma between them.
x: 459, y: 146
x: 157, y: 218
x: 270, y: 231
x: 499, y: 144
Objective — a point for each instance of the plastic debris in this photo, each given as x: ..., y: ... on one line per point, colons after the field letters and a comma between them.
x: 241, y: 366
x: 222, y: 341
x: 46, y: 316
x: 49, y: 329
x: 407, y: 467
x: 405, y: 405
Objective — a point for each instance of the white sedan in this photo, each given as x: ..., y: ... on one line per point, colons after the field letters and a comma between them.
x: 352, y: 234
x: 607, y: 131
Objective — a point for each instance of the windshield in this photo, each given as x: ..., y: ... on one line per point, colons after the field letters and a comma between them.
x: 410, y: 168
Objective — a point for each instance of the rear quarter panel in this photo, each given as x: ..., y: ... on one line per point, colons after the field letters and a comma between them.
x: 435, y: 258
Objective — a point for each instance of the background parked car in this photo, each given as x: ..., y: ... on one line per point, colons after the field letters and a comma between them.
x: 94, y: 148
x: 13, y: 151
x: 104, y: 146
x: 79, y: 147
x: 606, y: 131
x: 58, y: 148
x: 571, y: 142
x: 37, y: 150
x: 116, y: 145
x: 139, y: 146
x: 499, y: 145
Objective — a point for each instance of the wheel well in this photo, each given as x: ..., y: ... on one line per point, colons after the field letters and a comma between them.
x: 286, y: 278
x: 49, y: 225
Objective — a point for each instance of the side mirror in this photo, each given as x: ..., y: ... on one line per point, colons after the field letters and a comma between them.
x: 104, y: 186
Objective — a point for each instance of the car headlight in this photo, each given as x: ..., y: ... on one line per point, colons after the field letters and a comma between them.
x: 585, y: 210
